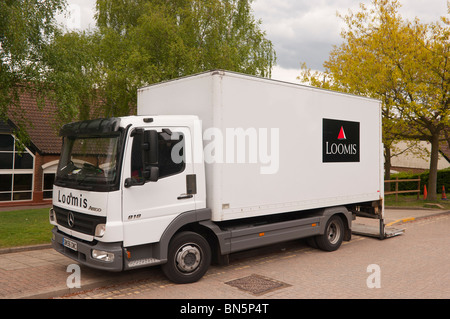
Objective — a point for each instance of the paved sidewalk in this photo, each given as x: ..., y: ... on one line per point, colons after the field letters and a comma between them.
x: 42, y: 272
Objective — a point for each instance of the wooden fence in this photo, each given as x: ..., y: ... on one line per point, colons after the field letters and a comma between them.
x: 396, y: 192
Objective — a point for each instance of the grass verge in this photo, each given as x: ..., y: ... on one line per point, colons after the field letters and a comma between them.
x: 24, y: 227
x: 412, y: 201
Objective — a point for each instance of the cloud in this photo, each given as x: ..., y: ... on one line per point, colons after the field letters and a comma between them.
x: 285, y: 74
x: 427, y: 11
x: 302, y: 31
x: 305, y: 30
x: 79, y: 15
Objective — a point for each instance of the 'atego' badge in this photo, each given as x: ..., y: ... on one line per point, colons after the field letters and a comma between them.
x: 340, y: 141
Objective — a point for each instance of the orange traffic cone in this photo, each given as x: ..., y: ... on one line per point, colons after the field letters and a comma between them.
x: 425, y: 193
x: 444, y: 197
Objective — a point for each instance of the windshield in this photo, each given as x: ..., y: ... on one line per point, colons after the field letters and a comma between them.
x: 89, y: 161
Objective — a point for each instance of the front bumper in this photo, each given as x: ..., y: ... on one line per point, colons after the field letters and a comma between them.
x: 83, y: 253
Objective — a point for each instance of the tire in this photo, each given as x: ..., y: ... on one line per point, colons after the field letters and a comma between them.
x: 311, y: 241
x: 331, y: 240
x: 188, y: 258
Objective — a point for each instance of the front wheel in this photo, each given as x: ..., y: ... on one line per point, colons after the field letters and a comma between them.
x: 188, y: 259
x: 331, y: 240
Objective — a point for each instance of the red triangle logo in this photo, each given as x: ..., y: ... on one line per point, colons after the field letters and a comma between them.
x: 341, y: 135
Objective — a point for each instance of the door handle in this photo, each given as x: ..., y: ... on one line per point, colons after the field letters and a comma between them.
x: 185, y: 196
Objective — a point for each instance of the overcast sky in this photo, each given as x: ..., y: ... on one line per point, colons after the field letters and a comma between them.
x: 301, y: 30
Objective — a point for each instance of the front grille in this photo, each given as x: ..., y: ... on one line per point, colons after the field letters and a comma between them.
x: 82, y: 223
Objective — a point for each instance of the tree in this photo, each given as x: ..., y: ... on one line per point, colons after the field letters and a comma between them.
x: 404, y: 64
x: 25, y: 27
x: 73, y: 69
x: 140, y: 42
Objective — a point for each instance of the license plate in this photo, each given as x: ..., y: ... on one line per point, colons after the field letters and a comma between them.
x: 70, y: 244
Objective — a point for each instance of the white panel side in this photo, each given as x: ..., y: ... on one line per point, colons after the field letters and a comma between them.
x: 300, y: 179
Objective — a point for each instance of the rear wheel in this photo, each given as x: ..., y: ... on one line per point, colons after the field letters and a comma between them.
x: 188, y: 259
x: 312, y: 242
x: 331, y: 240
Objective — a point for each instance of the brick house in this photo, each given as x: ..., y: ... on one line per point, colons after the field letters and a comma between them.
x: 27, y: 178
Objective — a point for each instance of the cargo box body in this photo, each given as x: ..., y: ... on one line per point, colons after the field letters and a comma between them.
x: 304, y: 148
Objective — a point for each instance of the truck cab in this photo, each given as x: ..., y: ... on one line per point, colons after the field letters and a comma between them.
x: 120, y: 183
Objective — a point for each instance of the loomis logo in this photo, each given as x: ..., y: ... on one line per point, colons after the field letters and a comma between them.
x: 340, y: 141
x: 73, y: 200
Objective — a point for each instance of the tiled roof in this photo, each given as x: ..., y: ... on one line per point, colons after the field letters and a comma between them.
x: 43, y: 131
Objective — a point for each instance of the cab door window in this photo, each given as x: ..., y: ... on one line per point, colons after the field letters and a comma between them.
x: 171, y: 155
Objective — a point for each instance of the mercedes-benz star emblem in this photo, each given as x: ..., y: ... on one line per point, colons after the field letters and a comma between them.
x: 70, y: 219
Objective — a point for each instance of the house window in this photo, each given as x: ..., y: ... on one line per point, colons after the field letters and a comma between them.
x: 48, y: 178
x: 47, y: 188
x: 16, y: 171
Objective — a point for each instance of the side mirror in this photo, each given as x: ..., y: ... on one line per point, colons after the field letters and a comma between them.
x: 132, y: 182
x: 154, y: 174
x: 151, y: 173
x: 144, y: 157
x: 150, y: 148
x: 150, y: 156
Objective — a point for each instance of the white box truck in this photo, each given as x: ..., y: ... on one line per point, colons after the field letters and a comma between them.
x: 216, y: 163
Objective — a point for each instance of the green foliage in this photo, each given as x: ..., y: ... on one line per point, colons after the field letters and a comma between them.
x: 26, y: 26
x: 139, y: 42
x: 72, y: 71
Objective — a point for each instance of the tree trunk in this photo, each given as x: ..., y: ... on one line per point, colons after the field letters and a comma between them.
x: 432, y: 180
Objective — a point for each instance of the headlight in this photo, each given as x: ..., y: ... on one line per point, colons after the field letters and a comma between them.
x: 100, y: 230
x: 102, y: 255
x: 52, y: 215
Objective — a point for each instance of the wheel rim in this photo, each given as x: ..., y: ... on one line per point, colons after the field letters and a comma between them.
x: 334, y: 233
x: 188, y: 258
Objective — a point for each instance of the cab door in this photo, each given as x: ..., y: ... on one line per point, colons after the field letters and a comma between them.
x: 149, y: 206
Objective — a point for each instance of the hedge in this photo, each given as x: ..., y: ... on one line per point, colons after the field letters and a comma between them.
x: 443, y: 179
